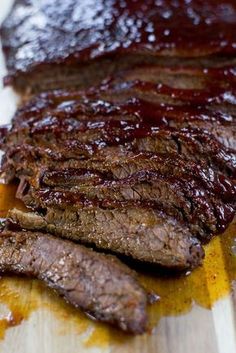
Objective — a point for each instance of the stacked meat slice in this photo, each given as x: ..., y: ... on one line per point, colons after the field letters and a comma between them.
x: 125, y: 174
x: 115, y: 168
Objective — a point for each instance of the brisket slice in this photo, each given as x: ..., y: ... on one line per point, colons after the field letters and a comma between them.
x: 153, y: 170
x: 184, y: 199
x: 108, y: 43
x: 113, y: 164
x: 60, y: 114
x: 179, y: 197
x: 191, y: 144
x: 195, y: 194
x: 97, y: 101
x: 186, y: 190
x: 143, y: 234
x: 98, y: 284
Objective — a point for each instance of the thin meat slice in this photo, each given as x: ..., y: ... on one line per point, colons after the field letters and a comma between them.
x: 199, y: 196
x: 205, y: 215
x: 191, y: 144
x: 142, y: 234
x: 124, y: 165
x: 112, y: 164
x: 179, y: 197
x: 121, y: 88
x: 98, y: 284
x: 77, y: 110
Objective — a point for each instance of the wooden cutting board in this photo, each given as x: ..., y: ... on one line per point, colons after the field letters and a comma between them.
x: 195, y: 313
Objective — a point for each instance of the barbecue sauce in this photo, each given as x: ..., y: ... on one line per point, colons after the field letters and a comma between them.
x: 20, y: 297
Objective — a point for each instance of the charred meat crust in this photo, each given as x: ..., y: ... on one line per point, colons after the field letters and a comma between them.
x: 95, y: 49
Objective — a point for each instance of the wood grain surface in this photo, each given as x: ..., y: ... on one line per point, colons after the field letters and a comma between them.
x: 194, y: 315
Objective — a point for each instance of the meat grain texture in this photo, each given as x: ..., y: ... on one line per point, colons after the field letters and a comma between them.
x: 99, y: 284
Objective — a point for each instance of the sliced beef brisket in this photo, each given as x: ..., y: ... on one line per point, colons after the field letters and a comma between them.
x: 58, y: 116
x: 115, y: 164
x: 204, y: 213
x: 61, y: 113
x: 140, y: 162
x: 98, y: 284
x: 200, y: 196
x: 191, y: 144
x: 122, y: 155
x: 140, y: 233
x: 192, y: 80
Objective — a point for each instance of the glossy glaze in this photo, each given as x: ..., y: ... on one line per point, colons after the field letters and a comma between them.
x: 210, y: 95
x: 207, y: 178
x: 74, y: 31
x: 61, y: 111
x: 85, y: 125
x: 73, y: 105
